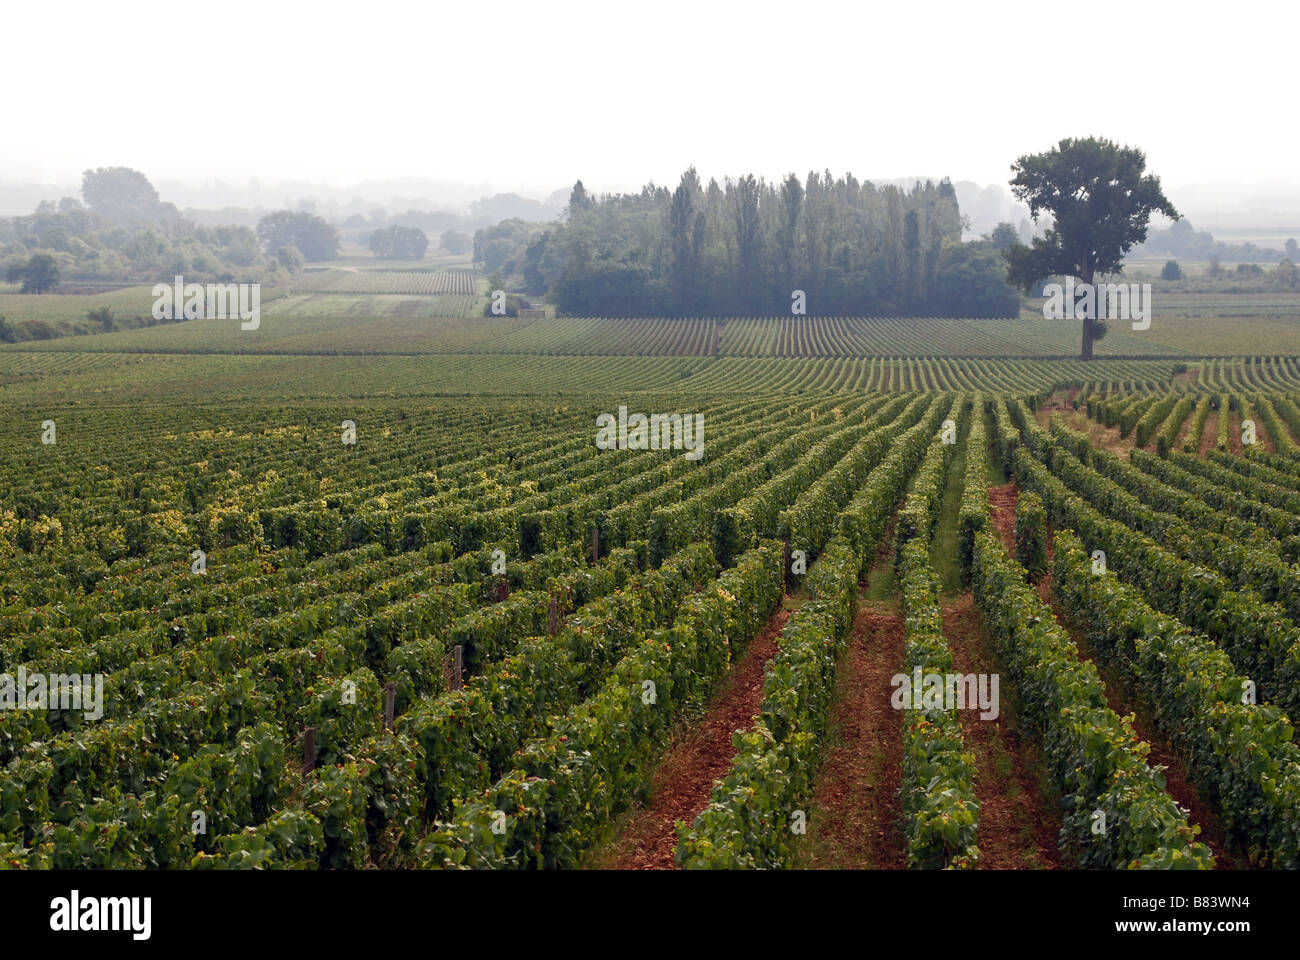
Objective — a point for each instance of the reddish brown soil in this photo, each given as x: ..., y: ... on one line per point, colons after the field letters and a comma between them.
x: 856, y: 821
x: 1003, y: 501
x: 684, y: 781
x: 1234, y: 432
x: 1099, y: 435
x: 1211, y: 432
x: 1019, y: 822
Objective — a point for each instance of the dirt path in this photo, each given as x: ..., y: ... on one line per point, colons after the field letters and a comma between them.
x: 1019, y: 817
x: 1003, y: 500
x: 856, y: 816
x: 1210, y: 434
x: 647, y: 835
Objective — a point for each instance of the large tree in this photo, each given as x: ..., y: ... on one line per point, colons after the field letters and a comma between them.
x: 40, y: 274
x: 314, y: 238
x: 399, y: 243
x: 685, y: 237
x: 120, y: 195
x: 1101, y: 200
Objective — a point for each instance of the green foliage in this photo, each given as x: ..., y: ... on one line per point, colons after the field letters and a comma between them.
x: 1031, y: 534
x: 974, y: 513
x: 38, y: 274
x: 750, y: 816
x: 941, y: 814
x: 1096, y: 760
x: 314, y: 238
x: 1241, y: 755
x: 1100, y: 200
x: 594, y: 760
x: 399, y: 243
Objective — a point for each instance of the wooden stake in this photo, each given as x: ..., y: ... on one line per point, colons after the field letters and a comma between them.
x: 308, y: 750
x: 390, y: 704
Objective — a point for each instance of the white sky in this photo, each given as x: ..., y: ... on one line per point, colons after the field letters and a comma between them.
x: 532, y: 95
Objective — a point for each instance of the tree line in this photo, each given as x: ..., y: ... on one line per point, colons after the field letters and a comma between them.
x: 120, y: 230
x: 743, y: 247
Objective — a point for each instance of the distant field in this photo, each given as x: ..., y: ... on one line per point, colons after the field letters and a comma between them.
x: 323, y: 318
x: 1031, y: 335
x: 417, y: 282
x: 367, y: 261
x: 56, y: 308
x: 34, y: 376
x: 322, y: 323
x: 1197, y: 268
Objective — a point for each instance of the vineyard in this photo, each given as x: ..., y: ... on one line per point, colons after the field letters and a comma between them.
x: 57, y: 375
x: 360, y: 589
x: 813, y: 337
x: 457, y: 281
x: 452, y: 633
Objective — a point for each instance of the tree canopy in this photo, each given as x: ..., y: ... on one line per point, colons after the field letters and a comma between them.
x: 745, y: 246
x: 1101, y: 201
x: 314, y: 238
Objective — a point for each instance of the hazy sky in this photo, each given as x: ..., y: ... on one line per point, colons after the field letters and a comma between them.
x: 532, y: 95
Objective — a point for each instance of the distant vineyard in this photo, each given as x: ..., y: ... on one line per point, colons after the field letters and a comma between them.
x: 31, y: 374
x: 405, y: 282
x: 811, y: 337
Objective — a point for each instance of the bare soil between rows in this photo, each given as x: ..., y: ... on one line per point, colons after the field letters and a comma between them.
x: 702, y: 754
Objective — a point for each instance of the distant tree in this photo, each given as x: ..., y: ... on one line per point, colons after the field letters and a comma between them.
x: 102, y: 316
x: 579, y: 202
x: 971, y: 282
x: 120, y: 194
x: 1171, y: 271
x: 314, y: 238
x: 40, y: 274
x: 1292, y: 251
x: 399, y: 243
x: 1286, y: 275
x: 1101, y: 201
x: 1003, y: 236
x: 539, y: 263
x: 497, y: 246
x: 1216, y: 268
x: 456, y: 243
x: 288, y: 257
x: 787, y: 234
x: 911, y: 262
x: 7, y: 332
x: 685, y: 228
x: 749, y: 240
